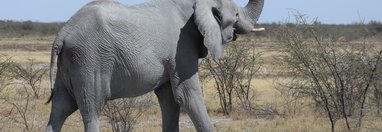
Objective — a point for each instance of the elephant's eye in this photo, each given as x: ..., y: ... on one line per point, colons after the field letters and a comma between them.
x: 217, y: 15
x: 218, y: 19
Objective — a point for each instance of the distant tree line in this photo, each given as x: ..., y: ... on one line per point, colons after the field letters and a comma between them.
x: 344, y: 31
x: 336, y: 31
x: 28, y: 28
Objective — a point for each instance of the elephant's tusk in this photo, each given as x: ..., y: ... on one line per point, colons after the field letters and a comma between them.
x: 258, y: 29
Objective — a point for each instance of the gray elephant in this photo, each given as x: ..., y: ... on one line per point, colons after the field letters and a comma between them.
x: 108, y: 50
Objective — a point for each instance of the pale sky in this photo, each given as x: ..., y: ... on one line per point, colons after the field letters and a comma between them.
x: 327, y: 11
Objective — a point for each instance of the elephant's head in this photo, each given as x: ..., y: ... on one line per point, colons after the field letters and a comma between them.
x: 218, y: 20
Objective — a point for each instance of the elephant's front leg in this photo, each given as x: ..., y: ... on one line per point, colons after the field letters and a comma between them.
x: 169, y: 108
x: 188, y: 94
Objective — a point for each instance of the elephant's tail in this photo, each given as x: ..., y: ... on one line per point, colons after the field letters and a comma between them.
x: 56, y: 49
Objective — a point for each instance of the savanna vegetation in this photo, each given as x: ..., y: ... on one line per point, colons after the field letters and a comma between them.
x: 302, y: 76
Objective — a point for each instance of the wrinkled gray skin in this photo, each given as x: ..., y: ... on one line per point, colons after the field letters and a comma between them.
x: 108, y: 50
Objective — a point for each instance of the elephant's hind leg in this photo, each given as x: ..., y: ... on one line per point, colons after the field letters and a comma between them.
x: 63, y: 105
x: 89, y: 90
x: 169, y: 108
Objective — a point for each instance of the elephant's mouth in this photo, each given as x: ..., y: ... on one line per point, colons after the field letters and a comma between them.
x: 229, y: 39
x: 234, y: 36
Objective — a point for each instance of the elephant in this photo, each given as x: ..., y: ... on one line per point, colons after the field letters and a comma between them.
x: 108, y: 50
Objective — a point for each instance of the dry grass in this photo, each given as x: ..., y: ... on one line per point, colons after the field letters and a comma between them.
x: 24, y: 56
x: 24, y: 48
x: 307, y: 120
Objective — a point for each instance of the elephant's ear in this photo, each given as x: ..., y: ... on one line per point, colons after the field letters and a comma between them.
x: 209, y: 27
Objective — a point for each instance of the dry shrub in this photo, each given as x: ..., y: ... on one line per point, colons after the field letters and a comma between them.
x: 20, y: 96
x: 233, y: 74
x: 336, y: 76
x: 123, y: 114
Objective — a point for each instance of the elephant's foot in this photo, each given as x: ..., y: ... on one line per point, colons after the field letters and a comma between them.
x: 92, y: 126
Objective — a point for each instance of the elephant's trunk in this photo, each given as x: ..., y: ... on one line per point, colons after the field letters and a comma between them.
x: 253, y: 10
x: 248, y: 16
